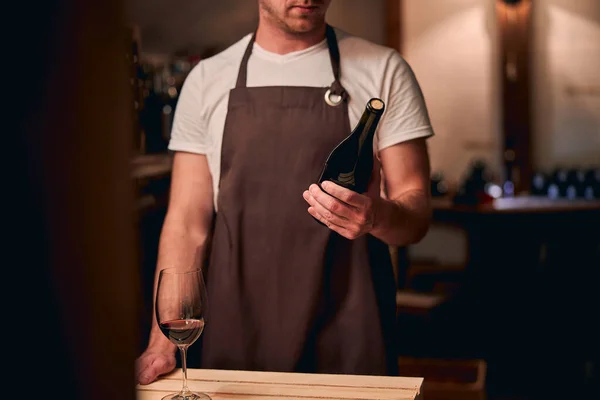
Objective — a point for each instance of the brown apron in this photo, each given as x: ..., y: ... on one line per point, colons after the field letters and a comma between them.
x: 285, y: 292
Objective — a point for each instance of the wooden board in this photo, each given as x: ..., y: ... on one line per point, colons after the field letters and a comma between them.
x: 220, y: 384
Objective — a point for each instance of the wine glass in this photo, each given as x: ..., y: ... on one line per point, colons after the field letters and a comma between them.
x: 181, y: 304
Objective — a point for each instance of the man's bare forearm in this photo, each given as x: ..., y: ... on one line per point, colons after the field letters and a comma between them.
x: 404, y: 220
x: 181, y: 246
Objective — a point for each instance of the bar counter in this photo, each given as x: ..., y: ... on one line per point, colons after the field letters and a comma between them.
x: 221, y: 384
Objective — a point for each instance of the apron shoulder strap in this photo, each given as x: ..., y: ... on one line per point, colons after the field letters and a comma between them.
x: 334, y: 55
x: 243, y: 72
x: 334, y: 51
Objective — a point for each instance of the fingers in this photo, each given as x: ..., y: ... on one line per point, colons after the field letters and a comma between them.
x: 348, y: 233
x: 348, y: 213
x: 329, y: 221
x: 332, y: 213
x: 147, y: 376
x: 346, y: 195
x: 327, y: 204
x: 152, y: 366
x: 325, y: 215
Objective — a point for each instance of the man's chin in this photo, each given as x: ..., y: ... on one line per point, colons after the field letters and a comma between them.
x: 302, y: 27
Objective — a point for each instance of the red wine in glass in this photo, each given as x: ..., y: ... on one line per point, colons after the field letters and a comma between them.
x: 180, y: 306
x: 182, y: 331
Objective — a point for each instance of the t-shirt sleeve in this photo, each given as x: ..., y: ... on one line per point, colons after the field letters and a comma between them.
x: 189, y: 132
x: 406, y: 116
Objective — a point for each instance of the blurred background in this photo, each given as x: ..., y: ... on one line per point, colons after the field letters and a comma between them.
x: 498, y: 301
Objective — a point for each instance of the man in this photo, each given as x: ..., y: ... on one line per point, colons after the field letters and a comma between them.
x: 251, y: 132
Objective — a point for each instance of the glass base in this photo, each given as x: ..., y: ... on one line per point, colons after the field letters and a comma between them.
x: 187, y: 396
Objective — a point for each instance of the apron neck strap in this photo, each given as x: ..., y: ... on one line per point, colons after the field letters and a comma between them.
x: 334, y: 52
x: 334, y: 55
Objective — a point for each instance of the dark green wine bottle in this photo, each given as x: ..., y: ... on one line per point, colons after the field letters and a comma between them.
x: 350, y: 164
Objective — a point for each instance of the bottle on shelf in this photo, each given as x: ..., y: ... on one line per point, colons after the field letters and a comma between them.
x: 478, y: 187
x: 439, y: 185
x: 559, y: 183
x: 571, y: 183
x: 591, y: 183
x: 539, y: 184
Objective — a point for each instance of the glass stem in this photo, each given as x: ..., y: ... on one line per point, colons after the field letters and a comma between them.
x: 183, y: 350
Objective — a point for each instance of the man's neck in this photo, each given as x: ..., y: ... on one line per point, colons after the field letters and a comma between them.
x: 277, y: 41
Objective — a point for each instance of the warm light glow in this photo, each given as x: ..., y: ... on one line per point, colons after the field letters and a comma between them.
x: 566, y: 71
x: 451, y: 47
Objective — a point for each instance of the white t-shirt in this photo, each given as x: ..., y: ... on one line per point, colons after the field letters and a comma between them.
x: 367, y: 70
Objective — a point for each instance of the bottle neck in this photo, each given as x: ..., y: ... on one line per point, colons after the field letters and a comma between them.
x: 367, y: 122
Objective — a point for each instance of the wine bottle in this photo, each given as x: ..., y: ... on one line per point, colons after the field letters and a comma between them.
x: 350, y: 164
x: 439, y: 186
x: 559, y: 178
x: 539, y: 184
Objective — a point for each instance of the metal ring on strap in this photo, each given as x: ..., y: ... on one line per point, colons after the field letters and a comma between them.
x: 333, y: 99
